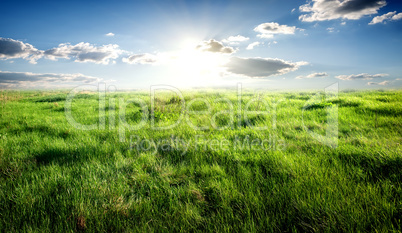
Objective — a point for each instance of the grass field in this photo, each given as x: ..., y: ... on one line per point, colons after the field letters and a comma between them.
x: 215, y: 171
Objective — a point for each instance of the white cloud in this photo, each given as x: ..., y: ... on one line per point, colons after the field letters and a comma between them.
x: 321, y: 10
x: 82, y: 52
x: 272, y: 42
x: 397, y: 17
x: 268, y: 30
x: 215, y: 47
x: 363, y: 76
x: 10, y: 49
x: 252, y: 45
x: 85, y: 52
x: 331, y: 30
x: 235, y: 39
x: 143, y: 59
x: 36, y: 80
x: 111, y: 34
x: 384, y: 83
x: 386, y: 17
x: 380, y: 19
x: 261, y: 67
x: 313, y: 75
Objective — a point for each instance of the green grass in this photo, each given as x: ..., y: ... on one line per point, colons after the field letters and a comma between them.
x: 54, y: 177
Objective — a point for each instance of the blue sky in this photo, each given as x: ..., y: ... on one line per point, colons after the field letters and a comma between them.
x: 134, y: 44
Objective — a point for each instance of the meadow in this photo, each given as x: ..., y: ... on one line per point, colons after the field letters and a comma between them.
x: 219, y: 169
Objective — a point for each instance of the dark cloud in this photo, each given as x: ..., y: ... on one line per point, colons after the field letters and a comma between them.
x: 260, y: 67
x: 320, y: 10
x: 10, y: 49
x: 215, y: 47
x: 352, y: 6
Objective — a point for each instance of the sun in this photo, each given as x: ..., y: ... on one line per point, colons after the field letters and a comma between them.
x: 194, y: 65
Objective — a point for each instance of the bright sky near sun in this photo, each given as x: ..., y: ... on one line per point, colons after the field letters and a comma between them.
x: 134, y: 44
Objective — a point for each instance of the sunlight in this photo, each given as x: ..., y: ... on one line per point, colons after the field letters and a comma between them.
x: 195, y: 66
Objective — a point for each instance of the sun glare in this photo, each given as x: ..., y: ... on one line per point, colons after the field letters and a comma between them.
x: 195, y: 65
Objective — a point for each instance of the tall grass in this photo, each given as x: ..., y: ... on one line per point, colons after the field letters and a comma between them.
x: 54, y: 177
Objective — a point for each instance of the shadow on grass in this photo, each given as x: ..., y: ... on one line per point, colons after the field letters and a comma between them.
x: 386, y: 111
x: 264, y: 169
x: 52, y: 98
x: 65, y: 156
x: 346, y: 103
x: 43, y: 129
x: 63, y: 97
x: 377, y: 168
x: 317, y: 106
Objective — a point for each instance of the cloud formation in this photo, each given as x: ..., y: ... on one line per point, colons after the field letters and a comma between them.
x: 268, y: 30
x: 331, y: 30
x: 386, y: 17
x: 215, y: 47
x: 10, y: 49
x: 145, y: 58
x: 384, y: 83
x: 397, y: 17
x: 261, y: 67
x: 82, y: 52
x: 34, y: 80
x: 85, y: 52
x: 252, y: 45
x: 233, y: 40
x: 111, y: 34
x: 363, y: 76
x: 321, y: 10
x: 313, y: 75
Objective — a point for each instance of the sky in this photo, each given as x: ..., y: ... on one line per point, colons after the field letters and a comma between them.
x: 269, y: 44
